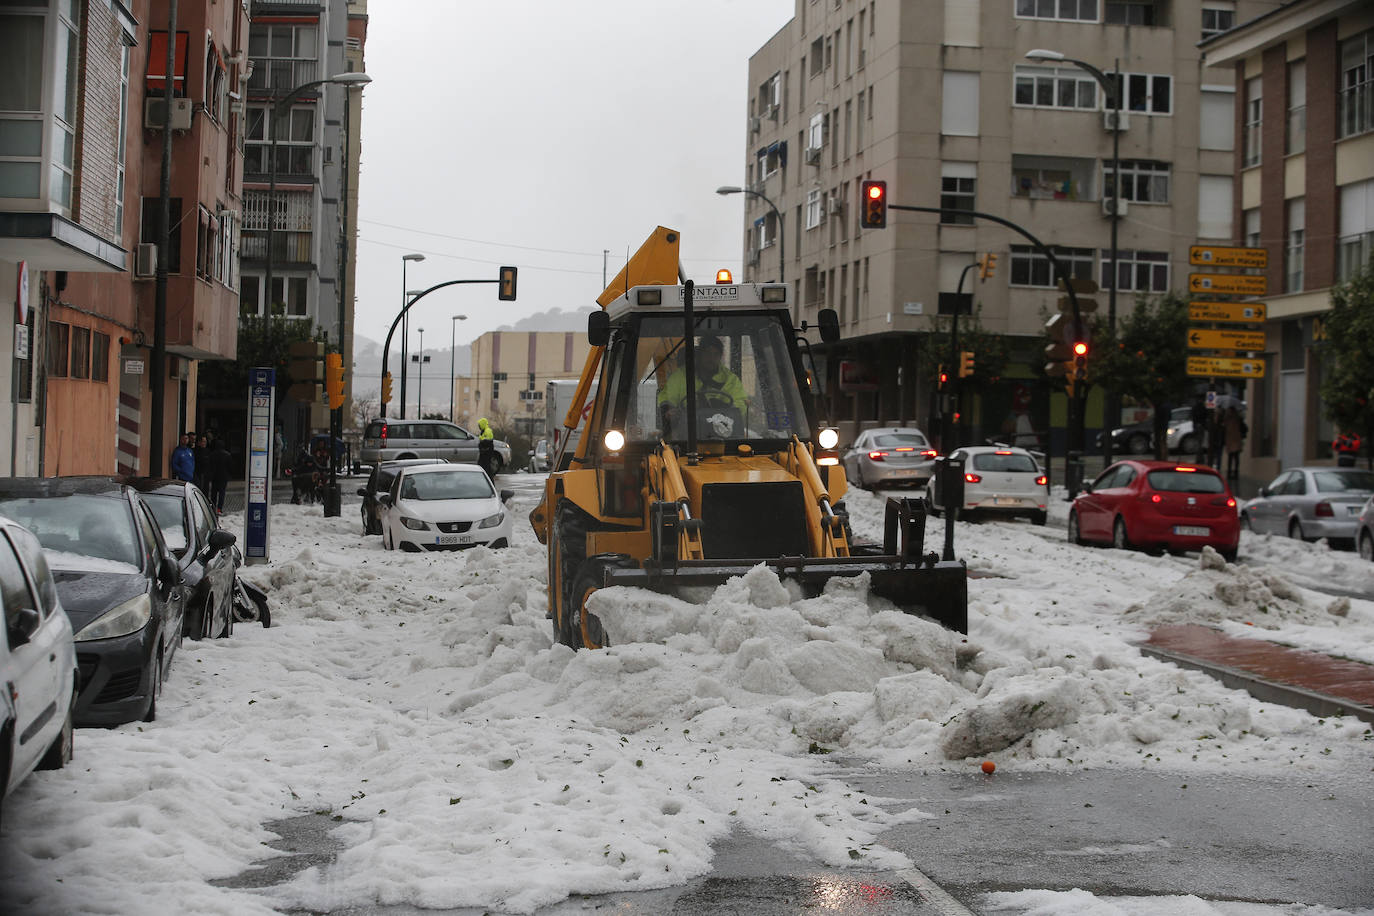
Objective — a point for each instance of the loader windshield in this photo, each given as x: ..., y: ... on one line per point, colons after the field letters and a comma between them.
x: 746, y: 387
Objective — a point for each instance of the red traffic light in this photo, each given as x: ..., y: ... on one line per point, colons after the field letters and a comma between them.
x: 875, y: 191
x: 1080, y: 349
x: 873, y: 196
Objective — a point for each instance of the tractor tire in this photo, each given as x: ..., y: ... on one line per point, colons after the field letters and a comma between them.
x: 587, y: 630
x: 570, y: 525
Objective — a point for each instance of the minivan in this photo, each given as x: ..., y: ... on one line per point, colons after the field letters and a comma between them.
x: 386, y: 439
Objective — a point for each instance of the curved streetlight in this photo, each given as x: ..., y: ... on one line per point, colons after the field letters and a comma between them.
x: 406, y: 296
x: 1112, y: 86
x: 452, y: 352
x: 726, y: 190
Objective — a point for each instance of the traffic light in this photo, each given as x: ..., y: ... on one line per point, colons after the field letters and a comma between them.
x: 873, y: 204
x: 943, y: 377
x: 965, y: 363
x: 507, y: 288
x: 386, y: 388
x: 987, y: 265
x: 1059, y: 351
x: 307, y: 369
x: 334, y: 379
x: 1080, y: 359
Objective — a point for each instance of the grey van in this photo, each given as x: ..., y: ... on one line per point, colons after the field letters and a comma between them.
x: 386, y: 439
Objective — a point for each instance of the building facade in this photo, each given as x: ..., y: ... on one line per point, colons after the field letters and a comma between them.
x: 301, y: 149
x: 509, y: 373
x: 82, y: 192
x: 939, y: 99
x: 1304, y: 191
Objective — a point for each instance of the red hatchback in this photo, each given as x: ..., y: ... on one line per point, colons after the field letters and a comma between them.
x: 1157, y: 505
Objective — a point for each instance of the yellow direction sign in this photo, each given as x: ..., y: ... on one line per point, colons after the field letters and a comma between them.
x: 1226, y: 311
x: 1213, y: 256
x: 1205, y: 339
x: 1205, y: 366
x: 1244, y: 284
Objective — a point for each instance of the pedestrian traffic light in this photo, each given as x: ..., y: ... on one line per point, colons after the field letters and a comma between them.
x: 965, y: 363
x: 506, y: 291
x: 334, y: 380
x: 307, y: 369
x: 987, y: 265
x: 873, y: 204
x: 386, y: 388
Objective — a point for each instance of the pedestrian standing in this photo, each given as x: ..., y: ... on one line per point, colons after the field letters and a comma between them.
x: 1346, y: 446
x: 1234, y: 430
x: 1216, y: 437
x: 201, y: 451
x: 278, y: 452
x: 183, y: 462
x: 219, y: 461
x: 1199, y: 418
x: 486, y: 447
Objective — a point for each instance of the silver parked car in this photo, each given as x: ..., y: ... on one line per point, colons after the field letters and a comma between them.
x: 386, y: 439
x: 1364, y: 531
x: 1310, y: 503
x: 889, y: 455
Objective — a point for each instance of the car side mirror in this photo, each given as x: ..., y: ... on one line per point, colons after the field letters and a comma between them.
x: 1087, y: 488
x: 362, y: 491
x: 25, y: 625
x: 220, y: 539
x: 384, y: 499
x: 507, y: 494
x: 1264, y: 491
x: 169, y: 572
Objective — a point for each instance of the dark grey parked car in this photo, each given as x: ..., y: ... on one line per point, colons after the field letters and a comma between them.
x: 387, y: 439
x: 119, y: 584
x: 1309, y: 503
x: 379, y: 481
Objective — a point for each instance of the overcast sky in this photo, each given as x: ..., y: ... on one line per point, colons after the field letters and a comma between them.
x: 539, y: 134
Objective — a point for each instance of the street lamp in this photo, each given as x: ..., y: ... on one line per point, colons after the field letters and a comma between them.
x: 342, y: 79
x: 725, y: 190
x: 419, y: 359
x: 1113, y: 87
x: 452, y: 352
x: 405, y: 324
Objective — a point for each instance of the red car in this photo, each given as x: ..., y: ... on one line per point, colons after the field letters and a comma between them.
x: 1157, y: 505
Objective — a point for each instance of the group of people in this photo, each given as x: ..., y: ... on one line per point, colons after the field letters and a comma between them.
x: 204, y: 460
x: 1218, y: 431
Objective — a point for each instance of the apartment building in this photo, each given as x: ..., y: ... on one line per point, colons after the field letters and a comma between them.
x: 938, y: 98
x: 509, y: 373
x: 1304, y: 190
x: 83, y: 117
x: 301, y: 149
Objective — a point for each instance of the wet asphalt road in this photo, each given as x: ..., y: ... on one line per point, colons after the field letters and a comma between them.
x: 1274, y: 840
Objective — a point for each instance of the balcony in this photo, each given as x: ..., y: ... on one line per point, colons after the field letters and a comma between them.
x: 289, y: 249
x: 278, y: 76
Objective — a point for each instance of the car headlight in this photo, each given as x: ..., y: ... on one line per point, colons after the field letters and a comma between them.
x: 129, y: 617
x: 1173, y: 430
x: 415, y: 524
x: 491, y: 521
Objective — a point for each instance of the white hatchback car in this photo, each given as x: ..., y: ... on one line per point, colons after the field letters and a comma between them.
x: 444, y: 507
x: 1002, y: 481
x: 37, y: 663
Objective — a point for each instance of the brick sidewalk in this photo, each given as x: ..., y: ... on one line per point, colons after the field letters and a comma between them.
x: 1319, y: 683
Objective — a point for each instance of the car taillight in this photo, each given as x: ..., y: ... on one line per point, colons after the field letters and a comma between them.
x: 973, y: 478
x: 1230, y: 502
x: 929, y: 453
x: 1155, y: 498
x: 905, y: 448
x: 383, y: 433
x: 1324, y: 510
x: 1041, y: 481
x: 877, y: 456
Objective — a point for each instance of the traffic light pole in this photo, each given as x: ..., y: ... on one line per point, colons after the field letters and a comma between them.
x: 506, y: 280
x: 1076, y: 436
x: 949, y: 439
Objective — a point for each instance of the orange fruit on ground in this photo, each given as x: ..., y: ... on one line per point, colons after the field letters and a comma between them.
x: 989, y: 766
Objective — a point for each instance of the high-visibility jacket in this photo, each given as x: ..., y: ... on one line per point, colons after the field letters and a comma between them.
x: 484, y: 432
x: 723, y: 383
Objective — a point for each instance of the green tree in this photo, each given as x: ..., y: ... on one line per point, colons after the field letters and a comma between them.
x: 991, y: 352
x: 1347, y: 355
x: 262, y: 341
x: 1147, y: 358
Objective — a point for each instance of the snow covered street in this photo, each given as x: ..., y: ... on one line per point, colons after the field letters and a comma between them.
x: 419, y: 701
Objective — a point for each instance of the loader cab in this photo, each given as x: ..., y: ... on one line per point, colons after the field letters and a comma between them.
x: 748, y: 396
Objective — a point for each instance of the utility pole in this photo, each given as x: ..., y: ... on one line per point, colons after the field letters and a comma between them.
x: 158, y: 382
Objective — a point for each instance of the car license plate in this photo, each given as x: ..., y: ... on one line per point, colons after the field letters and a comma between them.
x: 1353, y: 510
x: 1193, y: 531
x: 1006, y: 501
x: 453, y: 539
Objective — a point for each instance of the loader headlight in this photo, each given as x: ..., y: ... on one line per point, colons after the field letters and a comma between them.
x: 615, y: 440
x: 828, y: 438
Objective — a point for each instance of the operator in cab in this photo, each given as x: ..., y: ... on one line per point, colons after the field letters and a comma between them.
x: 718, y: 389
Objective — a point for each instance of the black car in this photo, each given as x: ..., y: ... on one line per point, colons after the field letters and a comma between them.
x: 379, y: 481
x: 119, y: 584
x: 192, y: 532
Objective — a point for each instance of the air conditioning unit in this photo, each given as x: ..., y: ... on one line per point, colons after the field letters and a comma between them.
x: 1109, y: 121
x: 145, y: 260
x: 813, y: 155
x: 154, y: 118
x: 1111, y: 206
x: 755, y: 125
x: 836, y: 205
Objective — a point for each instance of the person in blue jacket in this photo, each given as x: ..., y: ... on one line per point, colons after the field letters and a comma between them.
x: 184, y: 460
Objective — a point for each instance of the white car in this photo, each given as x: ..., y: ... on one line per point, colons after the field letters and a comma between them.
x: 1000, y: 480
x: 37, y: 663
x: 444, y: 507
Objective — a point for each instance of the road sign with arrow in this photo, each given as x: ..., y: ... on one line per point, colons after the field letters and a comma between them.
x: 1232, y: 312
x: 1242, y: 284
x: 1206, y: 339
x: 1217, y: 366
